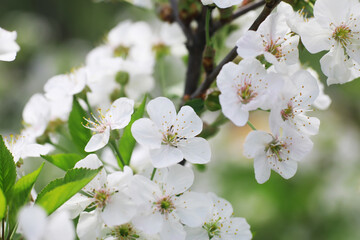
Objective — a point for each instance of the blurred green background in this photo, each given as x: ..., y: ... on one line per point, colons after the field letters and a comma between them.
x: 321, y: 202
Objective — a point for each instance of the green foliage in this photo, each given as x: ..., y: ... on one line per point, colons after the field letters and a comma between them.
x: 197, y: 104
x: 65, y: 161
x: 7, y: 169
x: 127, y: 141
x: 79, y: 134
x: 20, y: 193
x: 60, y: 190
x: 2, y: 205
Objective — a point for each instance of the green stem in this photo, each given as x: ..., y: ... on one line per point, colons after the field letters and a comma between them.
x: 153, y: 174
x: 252, y: 126
x: 207, y: 25
x: 116, y: 149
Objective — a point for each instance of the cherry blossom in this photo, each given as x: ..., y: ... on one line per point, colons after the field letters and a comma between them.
x: 165, y: 204
x: 274, y: 40
x: 246, y: 87
x: 220, y: 224
x: 117, y: 117
x: 279, y: 153
x: 170, y: 136
x: 335, y: 27
x: 295, y: 100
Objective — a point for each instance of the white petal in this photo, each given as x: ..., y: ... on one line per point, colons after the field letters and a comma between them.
x: 196, y: 233
x: 221, y: 207
x: 188, y: 123
x: 331, y: 11
x: 119, y: 210
x: 165, y: 156
x: 162, y: 111
x: 89, y: 226
x: 233, y: 109
x: 236, y: 228
x: 250, y: 45
x: 287, y: 169
x: 60, y: 227
x: 193, y: 208
x: 178, y: 179
x: 262, y: 169
x: 146, y: 133
x: 98, y: 141
x: 150, y: 223
x: 75, y: 205
x: 120, y: 112
x: 32, y: 222
x: 255, y: 143
x: 173, y: 231
x: 314, y: 37
x: 195, y: 150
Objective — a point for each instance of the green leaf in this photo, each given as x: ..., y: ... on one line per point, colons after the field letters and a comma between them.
x: 65, y: 161
x: 2, y: 205
x: 7, y: 169
x: 60, y: 190
x: 78, y: 132
x: 20, y: 193
x: 197, y: 104
x: 127, y: 141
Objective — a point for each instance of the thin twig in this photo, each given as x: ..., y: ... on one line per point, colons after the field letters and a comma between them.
x: 186, y: 30
x: 269, y: 6
x: 245, y: 9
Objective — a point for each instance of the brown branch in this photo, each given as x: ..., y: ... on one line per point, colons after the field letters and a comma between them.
x: 269, y: 6
x: 243, y: 10
x: 186, y: 29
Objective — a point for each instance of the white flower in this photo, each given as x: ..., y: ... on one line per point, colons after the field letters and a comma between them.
x: 335, y: 27
x: 8, y: 46
x: 107, y: 194
x: 127, y: 232
x: 279, y: 153
x: 220, y: 224
x: 165, y: 203
x: 117, y: 117
x: 222, y: 3
x: 170, y: 136
x: 274, y: 40
x: 323, y: 101
x: 21, y: 146
x: 296, y: 98
x: 246, y: 87
x: 36, y: 115
x: 35, y: 225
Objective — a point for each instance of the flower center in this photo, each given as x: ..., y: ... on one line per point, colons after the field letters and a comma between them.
x: 165, y: 205
x: 342, y: 34
x: 99, y: 125
x: 274, y: 49
x: 121, y: 51
x: 101, y: 197
x: 287, y: 112
x: 212, y: 228
x: 275, y: 148
x: 124, y: 232
x: 171, y: 137
x: 245, y: 93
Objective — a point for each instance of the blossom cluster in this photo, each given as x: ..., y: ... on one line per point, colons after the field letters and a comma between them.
x: 146, y: 192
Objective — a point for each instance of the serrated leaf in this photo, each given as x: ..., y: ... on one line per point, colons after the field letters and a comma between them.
x: 2, y: 205
x: 21, y: 191
x: 7, y: 169
x: 79, y: 134
x: 60, y: 190
x: 65, y: 161
x: 127, y: 141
